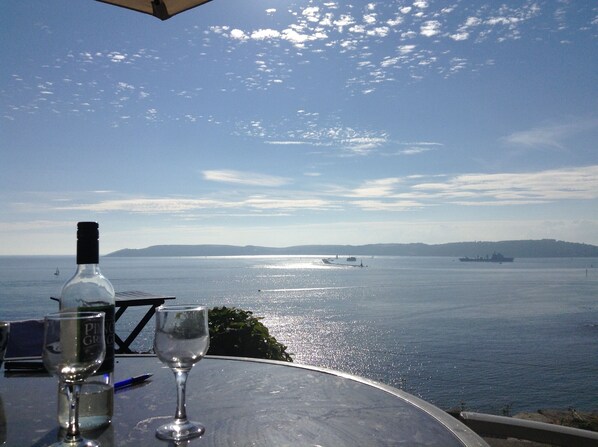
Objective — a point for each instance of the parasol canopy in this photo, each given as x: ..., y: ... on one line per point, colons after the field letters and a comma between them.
x: 162, y: 9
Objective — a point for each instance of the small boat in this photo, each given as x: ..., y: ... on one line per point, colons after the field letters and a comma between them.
x: 57, y: 272
x: 496, y: 257
x: 331, y: 261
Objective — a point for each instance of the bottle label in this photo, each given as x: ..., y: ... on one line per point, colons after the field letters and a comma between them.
x: 108, y: 364
x: 89, y: 334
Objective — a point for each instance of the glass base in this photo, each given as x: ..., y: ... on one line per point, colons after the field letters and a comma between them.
x: 79, y: 443
x: 177, y: 431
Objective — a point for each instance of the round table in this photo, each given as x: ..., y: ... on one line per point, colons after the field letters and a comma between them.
x: 241, y: 402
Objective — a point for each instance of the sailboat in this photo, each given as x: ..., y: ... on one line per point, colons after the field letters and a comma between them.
x: 57, y: 272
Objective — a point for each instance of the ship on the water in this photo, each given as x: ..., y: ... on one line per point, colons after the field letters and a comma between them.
x: 496, y: 257
x: 350, y: 262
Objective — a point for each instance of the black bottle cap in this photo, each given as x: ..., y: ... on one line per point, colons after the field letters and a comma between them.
x: 88, y: 245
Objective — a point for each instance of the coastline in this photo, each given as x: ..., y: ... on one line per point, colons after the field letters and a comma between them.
x: 585, y: 420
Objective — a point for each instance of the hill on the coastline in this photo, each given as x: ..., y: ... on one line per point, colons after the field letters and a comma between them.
x: 544, y: 248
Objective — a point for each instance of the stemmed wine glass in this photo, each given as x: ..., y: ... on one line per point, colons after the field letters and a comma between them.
x: 74, y: 348
x: 181, y: 340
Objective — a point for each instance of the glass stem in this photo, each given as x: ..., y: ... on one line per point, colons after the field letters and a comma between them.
x: 181, y: 385
x: 73, y: 391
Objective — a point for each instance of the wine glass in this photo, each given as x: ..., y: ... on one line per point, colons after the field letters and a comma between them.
x: 181, y: 340
x: 74, y: 348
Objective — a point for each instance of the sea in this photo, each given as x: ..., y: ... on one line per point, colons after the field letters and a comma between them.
x: 496, y: 338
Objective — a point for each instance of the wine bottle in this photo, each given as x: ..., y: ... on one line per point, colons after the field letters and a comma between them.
x: 89, y: 290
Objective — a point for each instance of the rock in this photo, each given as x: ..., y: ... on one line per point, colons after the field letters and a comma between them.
x: 569, y: 418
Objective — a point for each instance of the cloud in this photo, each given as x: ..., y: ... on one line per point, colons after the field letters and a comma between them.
x: 116, y: 57
x: 312, y: 13
x: 238, y: 34
x: 430, y: 28
x: 308, y: 129
x: 415, y: 150
x: 263, y: 34
x: 285, y: 143
x: 362, y: 145
x: 550, y: 136
x: 186, y: 206
x: 514, y: 188
x: 500, y: 189
x: 376, y: 195
x: 281, y: 204
x: 146, y: 205
x: 406, y: 49
x: 459, y: 36
x: 34, y: 225
x: 390, y: 205
x: 378, y: 46
x: 244, y: 178
x: 376, y: 188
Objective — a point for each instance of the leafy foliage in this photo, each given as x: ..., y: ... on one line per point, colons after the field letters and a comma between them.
x: 188, y: 325
x: 236, y: 332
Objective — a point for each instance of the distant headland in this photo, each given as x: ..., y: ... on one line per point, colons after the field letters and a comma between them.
x: 544, y: 248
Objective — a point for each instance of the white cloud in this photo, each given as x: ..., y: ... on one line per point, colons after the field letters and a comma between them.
x: 414, y: 150
x: 550, y: 136
x: 244, y: 178
x: 406, y: 49
x: 312, y: 13
x: 264, y: 203
x: 116, y: 57
x: 430, y: 28
x: 473, y: 21
x: 238, y: 34
x: 295, y: 37
x: 174, y: 205
x: 389, y: 61
x: 395, y: 21
x: 388, y: 205
x: 360, y: 29
x: 284, y: 143
x: 363, y: 144
x: 459, y: 36
x: 344, y: 20
x: 376, y: 188
x: 497, y: 190
x: 369, y: 19
x: 380, y: 31
x: 145, y: 205
x: 263, y: 34
x: 516, y: 188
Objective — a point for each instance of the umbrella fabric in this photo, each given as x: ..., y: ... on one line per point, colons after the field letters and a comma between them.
x: 162, y: 9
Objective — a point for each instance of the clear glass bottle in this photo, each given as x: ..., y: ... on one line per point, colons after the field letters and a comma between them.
x: 88, y: 290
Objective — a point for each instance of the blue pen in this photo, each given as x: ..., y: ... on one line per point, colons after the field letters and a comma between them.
x: 131, y: 381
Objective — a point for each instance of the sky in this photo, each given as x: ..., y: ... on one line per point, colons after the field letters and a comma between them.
x: 281, y: 123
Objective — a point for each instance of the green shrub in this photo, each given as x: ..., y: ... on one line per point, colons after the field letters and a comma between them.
x: 236, y: 332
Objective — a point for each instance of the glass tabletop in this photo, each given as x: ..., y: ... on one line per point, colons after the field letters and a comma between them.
x: 241, y: 402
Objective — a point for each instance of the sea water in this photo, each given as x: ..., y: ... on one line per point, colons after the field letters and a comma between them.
x: 499, y: 338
